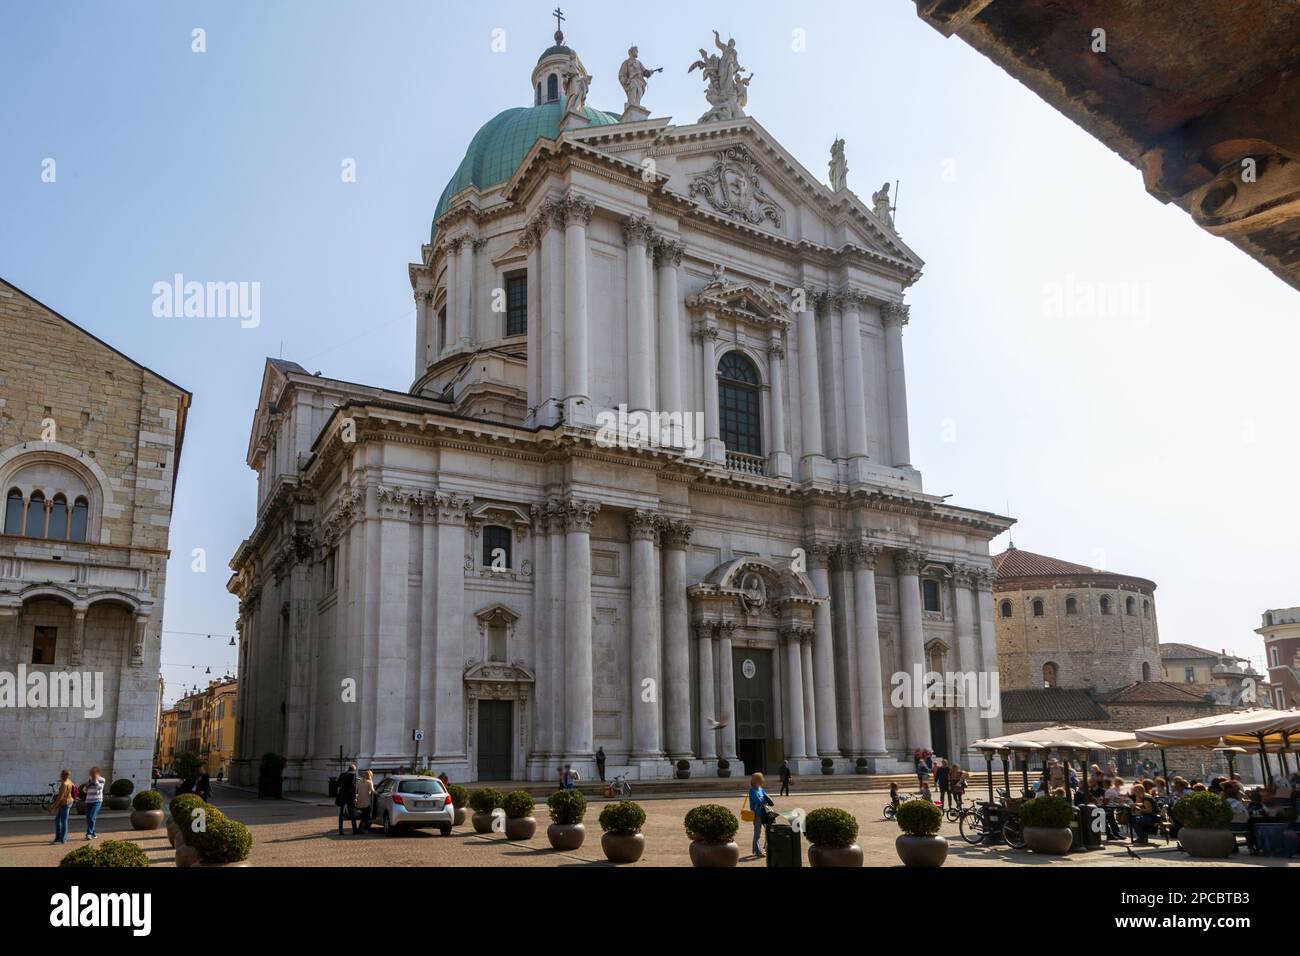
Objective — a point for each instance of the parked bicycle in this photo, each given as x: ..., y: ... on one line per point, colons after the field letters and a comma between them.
x: 618, y: 786
x: 889, y: 811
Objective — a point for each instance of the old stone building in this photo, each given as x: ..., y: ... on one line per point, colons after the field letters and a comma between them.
x: 1280, y: 629
x: 1227, y: 678
x: 492, y: 558
x: 90, y: 442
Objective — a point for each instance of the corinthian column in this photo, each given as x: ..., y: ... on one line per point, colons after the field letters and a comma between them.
x: 727, y: 688
x: 707, y: 337
x: 893, y: 316
x: 449, y: 685
x: 964, y: 624
x: 676, y: 537
x: 642, y: 528
x: 810, y: 393
x: 988, y: 643
x: 551, y: 223
x: 423, y: 308
x: 465, y: 293
x: 916, y: 713
x: 779, y: 460
x: 809, y: 695
x: 855, y: 388
x: 577, y: 627
x: 708, y: 709
x: 577, y: 386
x: 871, y: 694
x: 668, y: 260
x: 795, y: 743
x: 823, y: 652
x: 640, y: 382
x: 529, y: 241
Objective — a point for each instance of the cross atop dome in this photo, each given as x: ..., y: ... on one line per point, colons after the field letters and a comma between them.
x: 559, y: 33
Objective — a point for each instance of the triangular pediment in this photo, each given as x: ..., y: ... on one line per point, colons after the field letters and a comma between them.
x: 741, y: 299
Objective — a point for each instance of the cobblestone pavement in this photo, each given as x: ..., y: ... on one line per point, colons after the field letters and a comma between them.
x: 289, y: 833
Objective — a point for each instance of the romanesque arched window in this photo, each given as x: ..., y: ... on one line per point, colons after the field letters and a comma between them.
x: 1050, y: 674
x: 552, y: 88
x: 1130, y: 606
x: 1146, y: 671
x: 1071, y: 605
x: 1006, y: 608
x: 738, y: 405
x: 14, y: 512
x: 1038, y: 607
x: 1105, y: 604
x: 80, y: 514
x: 58, y: 525
x: 35, y: 525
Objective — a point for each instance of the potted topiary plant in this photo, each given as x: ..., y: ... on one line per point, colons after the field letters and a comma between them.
x: 185, y: 811
x: 1204, y: 819
x: 683, y: 770
x: 520, y: 822
x: 724, y: 767
x: 567, y: 809
x: 483, y: 802
x: 831, y: 833
x: 459, y: 800
x: 147, y: 810
x: 860, y: 765
x: 1046, y: 822
x: 223, y: 841
x: 711, y: 828
x: 270, y: 777
x: 179, y: 808
x: 115, y: 853
x: 918, y: 844
x: 828, y: 766
x: 622, y: 840
x: 119, y: 794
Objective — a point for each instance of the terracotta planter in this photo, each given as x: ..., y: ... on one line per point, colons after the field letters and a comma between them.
x: 460, y: 817
x: 482, y: 822
x: 828, y: 770
x: 724, y: 773
x: 118, y: 803
x: 622, y: 847
x: 566, y: 836
x: 714, y: 854
x: 828, y: 856
x: 520, y: 828
x: 146, y: 819
x: 186, y: 855
x: 1054, y: 840
x: 921, y: 851
x: 1208, y: 844
x: 683, y: 775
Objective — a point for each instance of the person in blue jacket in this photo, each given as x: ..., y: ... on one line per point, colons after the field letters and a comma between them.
x: 759, y: 801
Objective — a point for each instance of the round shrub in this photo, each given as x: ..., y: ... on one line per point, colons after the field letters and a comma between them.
x: 919, y: 818
x: 1203, y: 811
x: 711, y: 823
x: 459, y: 795
x: 860, y: 763
x: 567, y: 806
x: 830, y: 826
x: 121, y: 787
x: 485, y: 800
x: 223, y: 840
x: 724, y: 763
x: 1046, y: 812
x: 181, y: 807
x: 683, y: 765
x: 518, y: 805
x: 827, y: 762
x: 624, y: 816
x: 113, y: 853
x: 193, y: 835
x: 147, y: 800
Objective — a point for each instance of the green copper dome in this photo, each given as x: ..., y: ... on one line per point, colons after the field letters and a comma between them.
x: 498, y: 148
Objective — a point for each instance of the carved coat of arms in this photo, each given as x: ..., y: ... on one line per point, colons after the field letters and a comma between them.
x: 731, y: 186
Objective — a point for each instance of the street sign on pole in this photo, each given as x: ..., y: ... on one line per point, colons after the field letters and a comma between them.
x: 417, y: 736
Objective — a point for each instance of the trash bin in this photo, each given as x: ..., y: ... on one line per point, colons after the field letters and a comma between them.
x: 995, y: 817
x: 334, y: 787
x: 1092, y: 824
x: 784, y: 846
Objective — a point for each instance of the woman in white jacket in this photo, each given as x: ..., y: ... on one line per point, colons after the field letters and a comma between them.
x: 365, y: 796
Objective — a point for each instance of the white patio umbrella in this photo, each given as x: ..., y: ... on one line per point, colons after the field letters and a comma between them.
x: 1258, y: 728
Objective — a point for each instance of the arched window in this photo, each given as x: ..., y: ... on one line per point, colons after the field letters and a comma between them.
x: 14, y: 512
x: 58, y: 518
x: 552, y: 88
x: 1105, y: 604
x: 1071, y: 605
x: 1049, y: 674
x: 1146, y: 671
x: 1006, y: 608
x: 1038, y: 607
x: 539, y: 92
x: 1146, y: 608
x: 931, y: 595
x: 1130, y: 606
x: 496, y: 538
x: 738, y: 405
x: 35, y: 526
x: 80, y: 511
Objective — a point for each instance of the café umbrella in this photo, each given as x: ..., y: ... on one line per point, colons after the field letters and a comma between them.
x: 1261, y: 728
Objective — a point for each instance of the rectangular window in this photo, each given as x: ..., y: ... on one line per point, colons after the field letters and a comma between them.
x: 1189, y: 675
x: 495, y: 538
x: 442, y: 329
x: 930, y: 591
x: 517, y: 304
x: 43, y: 642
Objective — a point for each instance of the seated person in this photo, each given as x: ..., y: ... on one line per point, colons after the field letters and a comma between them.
x: 1144, y: 814
x: 1232, y: 793
x: 1178, y: 788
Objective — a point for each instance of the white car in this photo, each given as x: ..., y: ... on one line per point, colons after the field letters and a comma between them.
x: 408, y: 800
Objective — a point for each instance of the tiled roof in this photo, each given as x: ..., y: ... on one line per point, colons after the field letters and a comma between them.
x: 1181, y: 651
x: 1014, y: 564
x: 1152, y: 692
x: 1052, y: 704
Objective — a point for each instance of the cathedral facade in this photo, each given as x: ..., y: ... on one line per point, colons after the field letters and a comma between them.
x: 649, y: 491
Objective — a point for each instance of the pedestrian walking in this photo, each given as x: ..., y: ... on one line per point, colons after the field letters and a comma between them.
x: 366, y: 797
x: 600, y: 762
x: 62, y: 806
x: 923, y: 766
x: 957, y: 784
x: 785, y: 778
x: 203, y: 784
x: 942, y: 779
x: 94, y: 797
x: 346, y: 797
x: 758, y: 801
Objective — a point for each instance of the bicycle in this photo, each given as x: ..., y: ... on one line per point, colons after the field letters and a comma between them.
x: 618, y: 786
x: 47, y: 799
x: 890, y: 809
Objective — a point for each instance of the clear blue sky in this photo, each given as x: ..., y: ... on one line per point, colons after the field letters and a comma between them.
x: 1158, y: 441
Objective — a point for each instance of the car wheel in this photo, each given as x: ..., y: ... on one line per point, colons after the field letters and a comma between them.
x: 444, y: 829
x: 389, y: 829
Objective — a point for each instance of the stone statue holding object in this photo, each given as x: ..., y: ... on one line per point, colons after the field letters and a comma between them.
x: 632, y: 76
x: 727, y: 89
x: 880, y: 206
x: 576, y: 84
x: 840, y: 167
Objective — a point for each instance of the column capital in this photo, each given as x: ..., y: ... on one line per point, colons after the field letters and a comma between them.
x: 776, y: 348
x: 703, y: 630
x: 726, y: 629
x: 964, y: 575
x: 643, y: 525
x: 452, y: 509
x: 850, y: 299
x: 576, y: 209
x: 796, y: 633
x: 984, y: 579
x: 676, y: 535
x: 909, y: 561
x: 395, y: 502
x: 580, y: 514
x: 478, y: 244
x: 454, y: 243
x: 667, y: 252
x: 424, y: 296
x: 637, y: 230
x: 894, y: 314
x: 863, y: 554
x: 819, y: 554
x: 703, y: 333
